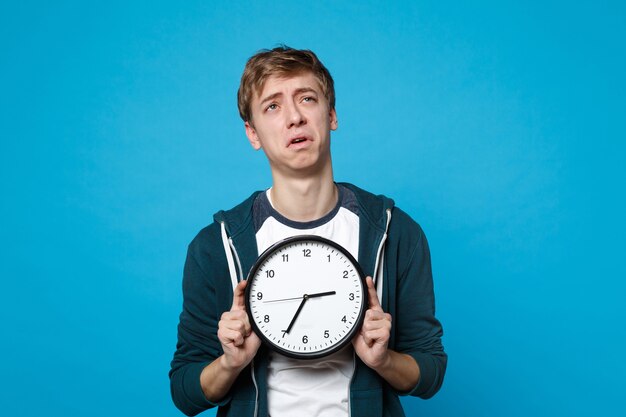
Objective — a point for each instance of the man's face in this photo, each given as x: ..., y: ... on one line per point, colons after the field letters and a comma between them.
x: 291, y: 121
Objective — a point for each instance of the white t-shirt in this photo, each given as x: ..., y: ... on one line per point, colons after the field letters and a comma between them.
x: 319, y: 387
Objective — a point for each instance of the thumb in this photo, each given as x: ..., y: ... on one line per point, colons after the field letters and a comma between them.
x: 372, y: 296
x: 239, y: 296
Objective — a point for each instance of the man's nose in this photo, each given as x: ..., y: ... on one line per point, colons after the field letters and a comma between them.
x: 295, y: 117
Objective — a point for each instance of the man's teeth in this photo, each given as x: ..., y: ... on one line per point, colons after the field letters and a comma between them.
x: 298, y: 140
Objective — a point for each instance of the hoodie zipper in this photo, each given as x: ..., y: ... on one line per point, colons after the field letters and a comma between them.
x: 379, y: 287
x: 231, y: 257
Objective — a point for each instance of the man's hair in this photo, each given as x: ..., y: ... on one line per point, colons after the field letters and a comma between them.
x: 281, y: 61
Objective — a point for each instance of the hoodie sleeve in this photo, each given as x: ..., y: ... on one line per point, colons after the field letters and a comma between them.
x: 198, y: 344
x: 417, y: 332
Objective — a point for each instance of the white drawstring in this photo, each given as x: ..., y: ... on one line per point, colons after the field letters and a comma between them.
x: 380, y: 260
x: 229, y: 256
x: 232, y: 246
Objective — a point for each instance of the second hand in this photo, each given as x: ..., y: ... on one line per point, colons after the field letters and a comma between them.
x: 319, y: 294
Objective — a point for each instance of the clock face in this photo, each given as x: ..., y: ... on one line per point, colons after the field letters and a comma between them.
x: 306, y: 297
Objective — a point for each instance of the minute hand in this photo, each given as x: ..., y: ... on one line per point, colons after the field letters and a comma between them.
x: 304, y: 298
x: 293, y: 320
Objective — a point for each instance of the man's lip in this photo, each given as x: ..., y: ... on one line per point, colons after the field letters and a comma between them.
x: 294, y: 138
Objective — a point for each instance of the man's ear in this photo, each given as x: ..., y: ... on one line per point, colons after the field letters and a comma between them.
x: 333, y: 120
x: 253, y: 138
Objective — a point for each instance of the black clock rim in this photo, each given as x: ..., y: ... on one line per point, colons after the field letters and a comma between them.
x: 320, y: 353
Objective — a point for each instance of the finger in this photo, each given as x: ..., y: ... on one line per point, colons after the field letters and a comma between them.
x: 379, y: 336
x: 372, y: 314
x: 229, y: 336
x: 369, y: 327
x: 241, y: 326
x: 374, y: 304
x: 239, y: 296
x: 234, y: 315
x: 367, y: 339
x: 376, y: 324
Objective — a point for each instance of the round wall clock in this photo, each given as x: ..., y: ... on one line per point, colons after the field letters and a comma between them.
x: 306, y: 297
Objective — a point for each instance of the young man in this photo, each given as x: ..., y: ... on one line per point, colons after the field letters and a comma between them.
x: 287, y: 102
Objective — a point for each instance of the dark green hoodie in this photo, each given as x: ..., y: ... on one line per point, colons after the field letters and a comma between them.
x: 407, y: 295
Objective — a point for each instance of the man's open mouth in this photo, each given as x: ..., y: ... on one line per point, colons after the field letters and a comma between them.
x: 297, y: 140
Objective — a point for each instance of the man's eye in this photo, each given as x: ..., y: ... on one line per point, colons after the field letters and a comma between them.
x: 308, y: 99
x: 271, y: 107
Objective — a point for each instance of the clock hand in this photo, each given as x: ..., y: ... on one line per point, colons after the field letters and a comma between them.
x: 304, y: 298
x: 321, y: 294
x: 283, y: 299
x: 293, y: 320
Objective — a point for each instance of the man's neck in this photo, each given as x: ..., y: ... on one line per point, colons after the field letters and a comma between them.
x: 304, y: 199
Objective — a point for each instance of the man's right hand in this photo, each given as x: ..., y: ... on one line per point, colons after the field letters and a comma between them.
x: 239, y: 342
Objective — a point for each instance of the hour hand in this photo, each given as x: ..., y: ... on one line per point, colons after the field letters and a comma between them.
x: 321, y: 294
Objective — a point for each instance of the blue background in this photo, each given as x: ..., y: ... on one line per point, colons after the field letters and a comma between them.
x: 499, y: 126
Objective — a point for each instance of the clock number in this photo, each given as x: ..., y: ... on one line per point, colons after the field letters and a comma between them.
x: 326, y: 334
x: 259, y: 296
x: 305, y: 339
x: 270, y: 273
x: 266, y: 319
x: 344, y: 319
x: 350, y: 297
x: 345, y: 274
x: 328, y: 256
x: 285, y: 257
x: 307, y: 253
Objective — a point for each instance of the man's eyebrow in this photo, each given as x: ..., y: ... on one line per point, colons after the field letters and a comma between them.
x: 296, y: 92
x: 305, y: 90
x: 271, y: 97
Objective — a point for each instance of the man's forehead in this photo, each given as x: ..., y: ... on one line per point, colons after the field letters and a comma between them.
x: 276, y: 83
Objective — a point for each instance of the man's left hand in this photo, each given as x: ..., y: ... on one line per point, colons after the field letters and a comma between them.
x: 371, y: 342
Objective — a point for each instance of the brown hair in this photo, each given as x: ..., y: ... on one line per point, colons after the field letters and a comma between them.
x: 281, y: 61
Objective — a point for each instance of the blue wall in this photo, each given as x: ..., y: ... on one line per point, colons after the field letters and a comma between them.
x: 499, y: 127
